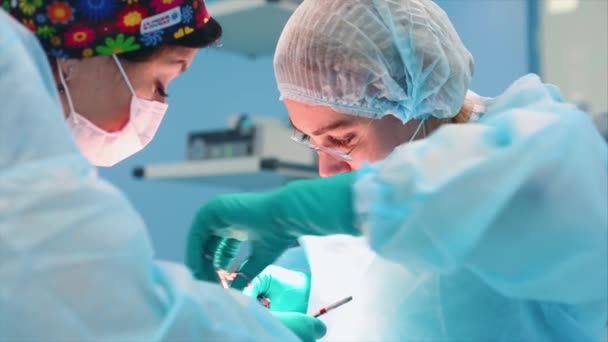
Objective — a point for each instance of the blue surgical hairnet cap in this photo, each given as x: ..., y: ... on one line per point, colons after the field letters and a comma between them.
x: 374, y: 58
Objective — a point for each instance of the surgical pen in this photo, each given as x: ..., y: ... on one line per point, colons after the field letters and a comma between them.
x: 337, y: 304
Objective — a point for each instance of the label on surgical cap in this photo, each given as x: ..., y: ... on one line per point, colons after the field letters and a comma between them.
x: 161, y: 20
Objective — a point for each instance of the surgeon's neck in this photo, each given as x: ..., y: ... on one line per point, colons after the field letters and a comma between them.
x: 432, y: 124
x: 464, y: 115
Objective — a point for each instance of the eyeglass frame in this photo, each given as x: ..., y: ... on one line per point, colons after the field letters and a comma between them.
x: 346, y: 156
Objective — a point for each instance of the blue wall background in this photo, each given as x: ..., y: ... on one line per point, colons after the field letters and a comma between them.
x: 220, y: 83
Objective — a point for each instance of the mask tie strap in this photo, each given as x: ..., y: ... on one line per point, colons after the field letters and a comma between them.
x: 124, y: 74
x: 420, y: 125
x: 65, y: 87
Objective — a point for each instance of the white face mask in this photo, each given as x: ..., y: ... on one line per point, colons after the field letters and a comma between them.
x: 108, y: 148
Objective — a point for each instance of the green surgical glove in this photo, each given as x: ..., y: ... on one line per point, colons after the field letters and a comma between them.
x: 271, y: 220
x: 288, y: 293
x: 287, y: 290
x: 307, y: 328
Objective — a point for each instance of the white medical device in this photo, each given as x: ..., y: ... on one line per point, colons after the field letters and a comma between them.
x: 255, y: 152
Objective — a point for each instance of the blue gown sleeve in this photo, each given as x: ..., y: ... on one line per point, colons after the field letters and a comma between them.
x: 520, y: 198
x: 76, y: 263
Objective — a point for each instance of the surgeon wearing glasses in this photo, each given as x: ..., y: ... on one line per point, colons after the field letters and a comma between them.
x: 491, y: 226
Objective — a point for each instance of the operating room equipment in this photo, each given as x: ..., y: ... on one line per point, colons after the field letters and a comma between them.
x: 246, y: 156
x: 243, y: 33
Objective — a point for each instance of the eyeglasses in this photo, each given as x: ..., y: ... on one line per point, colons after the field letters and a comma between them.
x: 306, y: 140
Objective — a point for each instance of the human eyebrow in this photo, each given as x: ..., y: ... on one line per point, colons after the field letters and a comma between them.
x: 341, y: 123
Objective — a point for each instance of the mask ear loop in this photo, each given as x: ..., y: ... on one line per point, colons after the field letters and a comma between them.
x: 124, y: 74
x: 420, y: 125
x: 65, y: 85
x: 423, y: 129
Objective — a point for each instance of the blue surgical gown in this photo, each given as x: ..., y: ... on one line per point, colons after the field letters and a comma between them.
x: 495, y: 230
x: 76, y: 262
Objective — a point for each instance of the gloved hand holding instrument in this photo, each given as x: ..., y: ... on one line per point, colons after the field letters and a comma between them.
x: 285, y: 293
x: 271, y: 221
